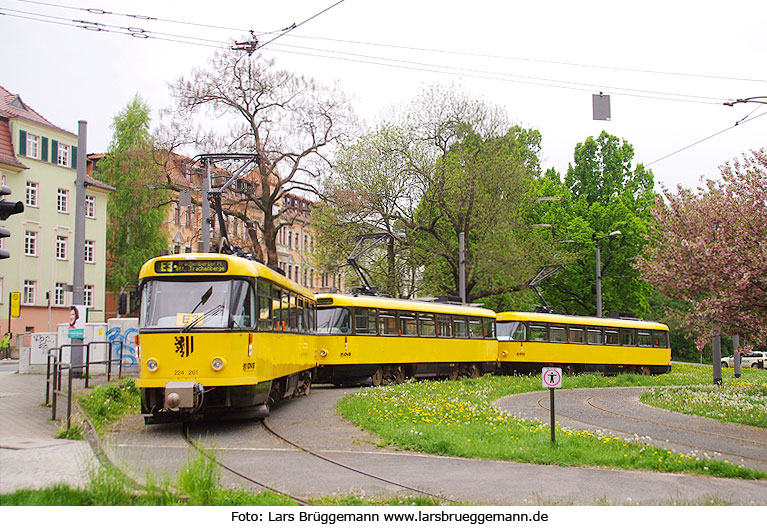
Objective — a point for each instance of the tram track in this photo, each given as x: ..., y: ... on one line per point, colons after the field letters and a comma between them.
x: 249, y: 478
x: 589, y: 401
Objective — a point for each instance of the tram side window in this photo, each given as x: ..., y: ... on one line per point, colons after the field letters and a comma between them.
x: 408, y: 324
x: 489, y: 328
x: 659, y: 339
x: 301, y: 314
x: 611, y: 337
x: 459, y: 326
x: 576, y: 335
x: 243, y: 305
x: 475, y: 327
x: 311, y: 315
x: 276, y: 309
x: 558, y: 334
x: 539, y: 332
x: 643, y: 338
x: 264, y: 305
x: 427, y: 325
x: 594, y: 336
x: 444, y: 326
x: 292, y: 312
x: 387, y: 323
x: 628, y: 337
x: 365, y: 321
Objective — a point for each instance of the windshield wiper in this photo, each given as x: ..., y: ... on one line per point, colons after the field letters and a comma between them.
x: 199, y: 318
x: 203, y: 300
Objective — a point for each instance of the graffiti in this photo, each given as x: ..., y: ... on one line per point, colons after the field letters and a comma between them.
x: 43, y: 342
x: 126, y: 350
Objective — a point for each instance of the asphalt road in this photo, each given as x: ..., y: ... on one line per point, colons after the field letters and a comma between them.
x: 618, y: 411
x: 158, y: 450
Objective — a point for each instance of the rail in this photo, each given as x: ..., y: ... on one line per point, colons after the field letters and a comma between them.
x: 55, y: 368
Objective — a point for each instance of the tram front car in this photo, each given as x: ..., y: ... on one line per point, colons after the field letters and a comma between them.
x: 199, y: 353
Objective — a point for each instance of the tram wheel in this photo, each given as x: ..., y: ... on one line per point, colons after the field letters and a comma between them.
x: 646, y: 371
x: 470, y: 370
x: 395, y: 374
x: 454, y: 373
x: 377, y: 377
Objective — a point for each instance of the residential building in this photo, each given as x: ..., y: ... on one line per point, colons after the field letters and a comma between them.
x: 38, y: 162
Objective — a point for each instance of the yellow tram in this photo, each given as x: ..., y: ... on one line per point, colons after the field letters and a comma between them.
x: 222, y: 336
x: 389, y: 340
x: 529, y: 341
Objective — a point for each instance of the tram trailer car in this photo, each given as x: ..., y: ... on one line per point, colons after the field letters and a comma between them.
x: 529, y: 341
x: 221, y: 336
x: 388, y: 340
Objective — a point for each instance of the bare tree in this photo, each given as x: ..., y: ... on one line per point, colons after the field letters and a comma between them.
x: 292, y: 123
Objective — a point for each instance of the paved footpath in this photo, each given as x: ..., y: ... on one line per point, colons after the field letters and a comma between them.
x: 30, y: 456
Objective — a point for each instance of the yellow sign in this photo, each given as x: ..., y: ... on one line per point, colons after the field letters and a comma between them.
x: 15, y: 304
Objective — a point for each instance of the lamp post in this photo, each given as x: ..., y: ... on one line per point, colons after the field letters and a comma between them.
x: 599, y: 270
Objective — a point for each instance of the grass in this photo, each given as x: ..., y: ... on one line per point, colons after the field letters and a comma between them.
x: 457, y: 419
x: 198, y: 483
x: 740, y: 402
x: 107, y: 404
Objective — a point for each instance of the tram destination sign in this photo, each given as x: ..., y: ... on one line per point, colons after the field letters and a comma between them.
x: 166, y: 267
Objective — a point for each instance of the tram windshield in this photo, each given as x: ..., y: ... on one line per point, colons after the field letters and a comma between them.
x: 333, y: 321
x: 510, y: 331
x: 187, y: 305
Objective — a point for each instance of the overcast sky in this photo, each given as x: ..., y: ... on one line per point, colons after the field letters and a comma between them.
x: 667, y: 65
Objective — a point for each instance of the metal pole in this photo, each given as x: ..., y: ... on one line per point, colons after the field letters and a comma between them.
x: 716, y: 349
x: 78, y: 275
x: 206, y: 209
x: 551, y: 408
x: 599, y: 282
x: 736, y: 355
x: 462, y: 267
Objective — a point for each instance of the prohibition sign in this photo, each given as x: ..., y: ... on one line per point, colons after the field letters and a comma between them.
x: 552, y: 377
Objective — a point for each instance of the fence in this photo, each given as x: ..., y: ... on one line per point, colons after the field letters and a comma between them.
x: 55, y: 367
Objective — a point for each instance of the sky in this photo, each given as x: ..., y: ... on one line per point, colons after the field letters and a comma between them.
x: 668, y: 66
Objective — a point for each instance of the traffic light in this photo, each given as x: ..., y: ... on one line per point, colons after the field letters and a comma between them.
x: 7, y: 209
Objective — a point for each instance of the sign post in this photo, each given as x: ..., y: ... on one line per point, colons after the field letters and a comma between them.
x: 551, y: 378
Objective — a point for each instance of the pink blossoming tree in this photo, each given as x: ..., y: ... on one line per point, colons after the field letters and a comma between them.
x: 708, y: 249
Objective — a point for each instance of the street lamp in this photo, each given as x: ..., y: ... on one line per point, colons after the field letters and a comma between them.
x: 599, y: 270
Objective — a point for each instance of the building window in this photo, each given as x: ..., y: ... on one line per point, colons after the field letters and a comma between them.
x: 32, y: 195
x: 90, y: 245
x: 63, y: 155
x: 189, y: 216
x: 176, y: 214
x: 90, y: 206
x: 30, y: 291
x: 59, y: 295
x: 88, y: 296
x: 62, y: 201
x: 61, y: 247
x: 30, y: 243
x: 33, y: 146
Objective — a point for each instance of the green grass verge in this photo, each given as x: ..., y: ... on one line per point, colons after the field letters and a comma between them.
x: 458, y: 419
x: 739, y: 402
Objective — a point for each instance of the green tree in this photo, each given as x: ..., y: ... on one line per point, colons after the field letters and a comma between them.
x: 447, y: 164
x: 603, y: 191
x: 135, y: 231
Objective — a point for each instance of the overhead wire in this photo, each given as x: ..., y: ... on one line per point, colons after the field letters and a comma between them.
x: 739, y: 122
x: 379, y: 61
x: 401, y: 47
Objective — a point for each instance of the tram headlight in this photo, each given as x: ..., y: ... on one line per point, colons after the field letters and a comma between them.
x: 217, y: 364
x: 151, y: 364
x: 323, y: 353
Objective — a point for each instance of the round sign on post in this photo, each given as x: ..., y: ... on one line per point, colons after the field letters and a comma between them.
x: 552, y: 377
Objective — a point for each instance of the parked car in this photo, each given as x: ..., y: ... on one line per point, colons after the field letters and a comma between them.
x: 751, y: 359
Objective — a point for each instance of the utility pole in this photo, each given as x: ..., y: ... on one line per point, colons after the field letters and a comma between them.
x: 462, y: 266
x: 206, y: 209
x: 78, y: 274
